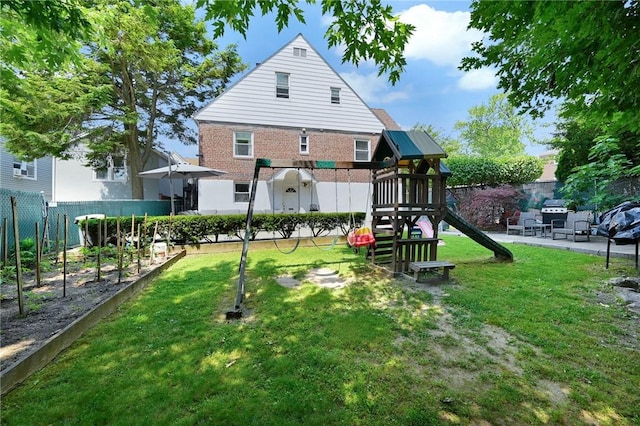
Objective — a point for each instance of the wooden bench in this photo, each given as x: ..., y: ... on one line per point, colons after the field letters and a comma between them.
x: 421, y: 267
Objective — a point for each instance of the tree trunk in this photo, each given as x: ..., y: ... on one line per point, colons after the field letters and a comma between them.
x: 135, y: 165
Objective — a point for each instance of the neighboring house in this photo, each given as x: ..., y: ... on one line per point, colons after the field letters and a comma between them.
x: 549, y: 159
x: 26, y: 176
x: 75, y: 181
x: 292, y: 106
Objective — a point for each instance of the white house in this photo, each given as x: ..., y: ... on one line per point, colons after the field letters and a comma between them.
x: 75, y: 181
x: 292, y: 106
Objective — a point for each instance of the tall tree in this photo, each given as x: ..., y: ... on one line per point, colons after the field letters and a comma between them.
x: 161, y: 67
x: 584, y: 52
x: 495, y: 130
x: 573, y: 139
x: 157, y: 66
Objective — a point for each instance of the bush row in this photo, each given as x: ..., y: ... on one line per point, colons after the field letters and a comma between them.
x: 472, y: 171
x: 208, y: 228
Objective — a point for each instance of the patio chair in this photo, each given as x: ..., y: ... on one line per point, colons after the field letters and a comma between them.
x: 525, y: 223
x: 576, y: 225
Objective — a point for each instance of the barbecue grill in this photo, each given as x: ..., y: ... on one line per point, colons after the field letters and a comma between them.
x: 553, y: 210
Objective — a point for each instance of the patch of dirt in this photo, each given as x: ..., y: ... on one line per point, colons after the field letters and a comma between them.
x: 324, y: 277
x: 484, y: 350
x: 48, y: 308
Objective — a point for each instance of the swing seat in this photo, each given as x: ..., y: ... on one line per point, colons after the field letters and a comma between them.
x: 360, y: 237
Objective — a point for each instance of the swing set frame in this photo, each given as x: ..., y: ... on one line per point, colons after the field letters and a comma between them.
x: 263, y: 163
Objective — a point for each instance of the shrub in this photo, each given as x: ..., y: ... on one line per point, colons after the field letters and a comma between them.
x: 472, y: 171
x: 486, y: 208
x: 197, y: 229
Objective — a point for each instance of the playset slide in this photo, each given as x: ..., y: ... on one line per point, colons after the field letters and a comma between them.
x: 499, y: 251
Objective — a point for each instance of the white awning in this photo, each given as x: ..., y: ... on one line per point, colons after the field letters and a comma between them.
x: 280, y: 176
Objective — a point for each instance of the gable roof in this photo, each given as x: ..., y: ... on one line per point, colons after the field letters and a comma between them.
x: 252, y: 99
x: 407, y: 145
x: 387, y: 120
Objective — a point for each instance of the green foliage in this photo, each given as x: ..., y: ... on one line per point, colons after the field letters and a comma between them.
x: 495, y: 130
x: 529, y: 43
x: 573, y: 140
x: 592, y: 183
x: 208, y: 228
x: 471, y: 171
x: 450, y: 145
x: 366, y: 29
x: 146, y: 68
x: 27, y: 254
x: 40, y: 34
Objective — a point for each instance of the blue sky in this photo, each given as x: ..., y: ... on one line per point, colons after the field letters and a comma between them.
x: 431, y: 90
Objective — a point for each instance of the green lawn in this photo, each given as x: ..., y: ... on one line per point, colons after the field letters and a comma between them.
x: 528, y: 342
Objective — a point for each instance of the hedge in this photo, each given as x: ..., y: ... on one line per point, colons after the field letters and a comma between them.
x: 472, y: 171
x: 208, y: 228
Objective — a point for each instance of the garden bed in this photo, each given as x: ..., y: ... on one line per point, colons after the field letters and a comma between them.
x: 49, y: 308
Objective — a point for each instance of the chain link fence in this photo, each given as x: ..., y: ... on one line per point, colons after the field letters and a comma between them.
x: 32, y: 207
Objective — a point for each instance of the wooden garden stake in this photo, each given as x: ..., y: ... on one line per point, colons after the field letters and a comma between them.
x: 5, y: 243
x: 64, y: 256
x: 38, y: 255
x: 57, y: 236
x: 133, y: 230
x: 16, y: 245
x: 86, y: 231
x: 45, y: 237
x: 153, y: 240
x: 119, y: 246
x: 169, y: 235
x: 98, y: 256
x: 138, y: 249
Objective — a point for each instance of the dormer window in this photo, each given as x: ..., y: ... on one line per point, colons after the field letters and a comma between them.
x: 282, y: 85
x: 335, y: 95
x: 298, y: 51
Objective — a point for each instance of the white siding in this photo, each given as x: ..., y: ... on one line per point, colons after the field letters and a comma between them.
x: 252, y: 100
x: 216, y: 197
x: 75, y: 182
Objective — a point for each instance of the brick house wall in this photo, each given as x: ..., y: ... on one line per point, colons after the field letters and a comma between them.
x: 216, y: 150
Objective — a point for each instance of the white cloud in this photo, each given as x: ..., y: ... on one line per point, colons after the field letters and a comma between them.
x: 440, y: 37
x: 371, y: 88
x: 484, y: 78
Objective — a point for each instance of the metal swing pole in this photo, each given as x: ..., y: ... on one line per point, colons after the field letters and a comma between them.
x: 237, y: 313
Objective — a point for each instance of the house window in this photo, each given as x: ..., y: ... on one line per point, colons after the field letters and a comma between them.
x: 304, y: 144
x: 114, y: 170
x: 282, y: 85
x: 361, y: 149
x: 335, y: 95
x: 298, y: 51
x: 241, y: 192
x: 24, y: 169
x: 243, y: 144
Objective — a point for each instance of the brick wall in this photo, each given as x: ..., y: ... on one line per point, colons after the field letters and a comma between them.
x: 216, y: 148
